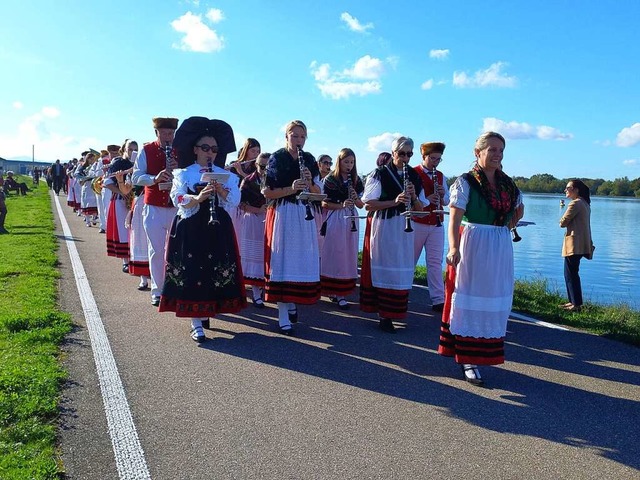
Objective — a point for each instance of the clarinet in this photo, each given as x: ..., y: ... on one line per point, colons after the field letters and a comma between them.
x: 434, y: 175
x: 350, y: 192
x: 308, y: 215
x: 213, y: 203
x: 407, y: 204
x: 168, y: 153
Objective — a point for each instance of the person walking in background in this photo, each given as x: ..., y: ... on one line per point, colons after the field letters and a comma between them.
x: 387, y: 254
x: 577, y: 240
x: 203, y: 274
x: 485, y: 204
x: 339, y: 252
x: 292, y: 259
x: 429, y: 232
x: 57, y: 176
x: 3, y: 206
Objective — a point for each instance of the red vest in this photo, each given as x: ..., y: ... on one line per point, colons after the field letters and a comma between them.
x: 156, y: 162
x: 427, y: 185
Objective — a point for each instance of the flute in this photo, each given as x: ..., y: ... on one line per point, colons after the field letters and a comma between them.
x: 308, y: 214
x: 434, y: 176
x: 407, y: 203
x: 350, y: 193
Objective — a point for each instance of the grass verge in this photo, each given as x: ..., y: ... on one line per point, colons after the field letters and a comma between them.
x: 31, y: 330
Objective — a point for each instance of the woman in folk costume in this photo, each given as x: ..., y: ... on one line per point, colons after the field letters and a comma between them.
x: 138, y: 246
x: 88, y: 202
x: 339, y: 252
x: 387, y: 257
x: 253, y: 204
x: 119, y: 204
x: 72, y: 200
x: 484, y: 204
x: 241, y: 168
x: 292, y: 270
x: 203, y: 275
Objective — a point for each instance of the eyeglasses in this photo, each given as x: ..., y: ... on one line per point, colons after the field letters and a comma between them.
x: 327, y: 163
x: 402, y: 153
x: 261, y: 165
x: 205, y: 148
x: 435, y: 159
x: 568, y: 188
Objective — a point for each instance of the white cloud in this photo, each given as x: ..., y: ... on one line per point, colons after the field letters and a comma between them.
x: 354, y: 24
x: 439, y: 54
x: 214, y: 15
x: 39, y: 130
x: 198, y: 37
x: 382, y: 142
x: 428, y: 85
x: 17, y: 105
x: 629, y: 136
x: 491, y: 77
x: 361, y: 79
x: 518, y: 131
x: 631, y: 162
x: 366, y: 68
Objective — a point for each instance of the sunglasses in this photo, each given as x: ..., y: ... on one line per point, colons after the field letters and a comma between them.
x: 205, y: 148
x: 404, y: 154
x: 327, y: 163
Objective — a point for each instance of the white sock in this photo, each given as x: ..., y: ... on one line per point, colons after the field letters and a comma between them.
x: 196, y: 322
x: 292, y: 307
x: 283, y: 315
x: 257, y: 291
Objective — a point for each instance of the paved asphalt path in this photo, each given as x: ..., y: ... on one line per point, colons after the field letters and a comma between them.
x: 341, y: 400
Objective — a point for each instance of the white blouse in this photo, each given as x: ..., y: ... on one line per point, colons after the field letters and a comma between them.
x: 185, y: 179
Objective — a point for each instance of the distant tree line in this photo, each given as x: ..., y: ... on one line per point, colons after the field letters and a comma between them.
x: 545, y: 183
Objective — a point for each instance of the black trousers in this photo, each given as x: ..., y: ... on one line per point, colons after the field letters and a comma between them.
x: 572, y: 279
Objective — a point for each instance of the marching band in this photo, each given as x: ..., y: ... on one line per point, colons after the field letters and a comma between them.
x: 197, y: 231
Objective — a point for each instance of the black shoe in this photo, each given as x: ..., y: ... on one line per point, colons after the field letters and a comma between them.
x: 206, y: 324
x: 258, y: 302
x: 3, y: 231
x: 197, y: 335
x: 125, y: 268
x: 293, y: 316
x: 343, y: 304
x: 472, y: 375
x: 101, y: 231
x: 155, y: 301
x: 288, y: 331
x: 386, y: 325
x: 437, y: 307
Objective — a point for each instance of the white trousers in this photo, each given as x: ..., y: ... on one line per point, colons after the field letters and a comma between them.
x: 157, y: 223
x: 431, y: 238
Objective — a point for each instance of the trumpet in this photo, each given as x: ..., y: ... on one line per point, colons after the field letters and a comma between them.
x: 308, y: 214
x: 352, y: 193
x: 434, y: 176
x: 407, y: 203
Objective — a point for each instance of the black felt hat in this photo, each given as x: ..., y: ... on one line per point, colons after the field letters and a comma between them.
x: 192, y: 129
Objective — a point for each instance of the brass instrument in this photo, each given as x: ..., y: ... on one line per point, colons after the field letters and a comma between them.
x: 96, y: 185
x: 352, y: 194
x: 407, y: 203
x: 308, y: 214
x: 434, y: 176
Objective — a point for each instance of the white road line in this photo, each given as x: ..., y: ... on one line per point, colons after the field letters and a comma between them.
x: 128, y: 452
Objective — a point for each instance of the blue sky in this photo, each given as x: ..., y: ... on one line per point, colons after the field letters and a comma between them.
x: 558, y: 78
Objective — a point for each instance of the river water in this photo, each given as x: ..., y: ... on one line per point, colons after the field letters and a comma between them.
x: 613, y: 274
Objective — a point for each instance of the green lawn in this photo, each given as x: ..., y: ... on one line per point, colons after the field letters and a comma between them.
x: 31, y: 330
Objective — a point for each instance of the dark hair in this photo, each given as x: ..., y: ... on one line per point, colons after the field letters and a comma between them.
x: 383, y: 159
x: 583, y: 190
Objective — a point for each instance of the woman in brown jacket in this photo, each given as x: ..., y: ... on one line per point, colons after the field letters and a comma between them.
x: 577, y: 241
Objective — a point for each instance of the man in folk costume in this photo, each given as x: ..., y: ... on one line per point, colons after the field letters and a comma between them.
x: 152, y: 169
x: 429, y: 232
x: 387, y: 257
